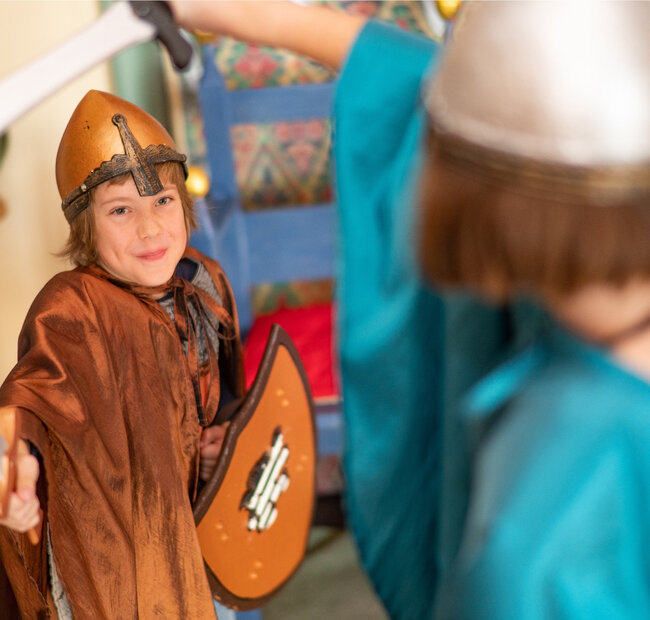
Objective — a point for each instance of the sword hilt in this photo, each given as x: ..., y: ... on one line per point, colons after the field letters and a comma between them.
x: 159, y: 14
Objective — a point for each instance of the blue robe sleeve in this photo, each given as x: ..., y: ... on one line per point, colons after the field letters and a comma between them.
x: 390, y: 326
x: 407, y: 353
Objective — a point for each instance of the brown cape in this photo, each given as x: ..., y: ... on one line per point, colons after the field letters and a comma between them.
x: 107, y: 398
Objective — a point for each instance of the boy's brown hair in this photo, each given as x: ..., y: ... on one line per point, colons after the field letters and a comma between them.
x: 81, y: 246
x: 499, y: 240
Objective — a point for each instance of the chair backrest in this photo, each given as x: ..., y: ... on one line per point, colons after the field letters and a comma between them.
x: 274, y: 244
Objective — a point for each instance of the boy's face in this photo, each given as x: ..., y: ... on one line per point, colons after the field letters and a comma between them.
x: 140, y: 239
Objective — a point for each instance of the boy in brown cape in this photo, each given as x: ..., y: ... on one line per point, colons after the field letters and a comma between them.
x: 122, y: 364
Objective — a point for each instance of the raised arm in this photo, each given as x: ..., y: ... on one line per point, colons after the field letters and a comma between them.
x: 315, y: 31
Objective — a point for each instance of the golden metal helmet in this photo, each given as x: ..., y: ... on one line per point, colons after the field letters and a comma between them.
x: 106, y: 137
x: 554, y: 96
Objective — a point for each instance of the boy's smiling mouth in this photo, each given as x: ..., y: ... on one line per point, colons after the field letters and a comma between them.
x: 153, y: 255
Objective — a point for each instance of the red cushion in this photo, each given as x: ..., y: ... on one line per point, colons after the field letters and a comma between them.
x: 310, y: 328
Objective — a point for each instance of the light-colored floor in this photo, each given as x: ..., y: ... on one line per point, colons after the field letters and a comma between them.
x: 329, y: 585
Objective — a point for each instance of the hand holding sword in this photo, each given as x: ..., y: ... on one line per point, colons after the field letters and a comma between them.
x: 19, y: 506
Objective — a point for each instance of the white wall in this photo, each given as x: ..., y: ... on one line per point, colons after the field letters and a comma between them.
x: 34, y: 226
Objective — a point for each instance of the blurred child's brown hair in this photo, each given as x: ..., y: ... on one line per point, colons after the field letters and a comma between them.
x: 496, y: 240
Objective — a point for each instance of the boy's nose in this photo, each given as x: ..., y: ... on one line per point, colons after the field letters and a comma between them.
x: 148, y: 227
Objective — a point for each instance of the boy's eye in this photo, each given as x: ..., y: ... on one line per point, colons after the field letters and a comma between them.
x: 164, y: 200
x: 118, y: 211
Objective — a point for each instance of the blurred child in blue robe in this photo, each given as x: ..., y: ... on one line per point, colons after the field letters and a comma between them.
x: 520, y: 492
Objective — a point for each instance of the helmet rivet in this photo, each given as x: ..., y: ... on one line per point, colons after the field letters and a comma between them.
x: 83, y: 187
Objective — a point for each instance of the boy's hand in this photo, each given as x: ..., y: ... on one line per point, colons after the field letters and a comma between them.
x: 24, y: 508
x: 211, y: 442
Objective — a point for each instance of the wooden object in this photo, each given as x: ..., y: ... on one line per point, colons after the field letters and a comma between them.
x: 254, y: 514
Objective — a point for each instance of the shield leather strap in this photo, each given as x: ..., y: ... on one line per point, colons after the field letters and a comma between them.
x: 254, y: 514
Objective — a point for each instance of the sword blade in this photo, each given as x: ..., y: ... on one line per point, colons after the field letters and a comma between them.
x: 115, y: 30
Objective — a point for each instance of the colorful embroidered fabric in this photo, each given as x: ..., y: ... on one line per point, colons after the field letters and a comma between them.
x: 284, y: 164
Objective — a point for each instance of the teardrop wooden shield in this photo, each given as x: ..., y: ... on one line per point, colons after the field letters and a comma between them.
x: 254, y: 514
